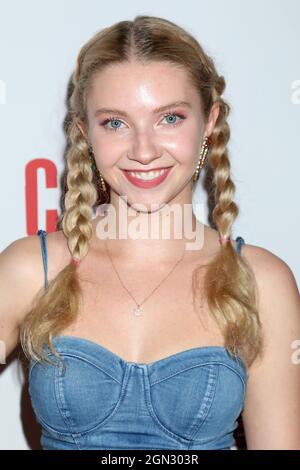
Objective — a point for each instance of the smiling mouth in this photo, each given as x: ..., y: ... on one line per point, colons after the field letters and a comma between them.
x: 147, y: 179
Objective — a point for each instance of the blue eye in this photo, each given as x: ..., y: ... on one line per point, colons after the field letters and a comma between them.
x: 114, y: 119
x: 173, y: 116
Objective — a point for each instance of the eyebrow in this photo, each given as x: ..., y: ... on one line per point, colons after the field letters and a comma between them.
x: 154, y: 111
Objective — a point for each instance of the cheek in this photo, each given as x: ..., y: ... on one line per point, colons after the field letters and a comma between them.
x: 185, y: 148
x: 107, y: 152
x: 108, y: 142
x: 186, y: 141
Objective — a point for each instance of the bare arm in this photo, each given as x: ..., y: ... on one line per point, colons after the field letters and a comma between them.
x: 271, y: 415
x: 20, y: 278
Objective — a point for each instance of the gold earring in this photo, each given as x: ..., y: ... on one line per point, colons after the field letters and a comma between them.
x: 204, y: 149
x: 95, y: 170
x: 102, y: 182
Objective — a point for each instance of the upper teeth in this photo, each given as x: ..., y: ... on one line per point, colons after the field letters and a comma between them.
x: 149, y: 175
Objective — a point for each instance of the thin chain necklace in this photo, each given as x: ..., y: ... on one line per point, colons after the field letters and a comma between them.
x: 137, y: 311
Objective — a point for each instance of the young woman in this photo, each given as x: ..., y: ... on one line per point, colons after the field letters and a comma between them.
x: 138, y: 342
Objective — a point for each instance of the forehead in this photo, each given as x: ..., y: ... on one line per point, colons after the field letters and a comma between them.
x: 140, y: 86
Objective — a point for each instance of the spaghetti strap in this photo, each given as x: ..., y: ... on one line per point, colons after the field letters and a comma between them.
x: 42, y: 234
x: 239, y: 243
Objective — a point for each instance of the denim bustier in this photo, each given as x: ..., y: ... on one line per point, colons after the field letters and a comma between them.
x: 97, y: 400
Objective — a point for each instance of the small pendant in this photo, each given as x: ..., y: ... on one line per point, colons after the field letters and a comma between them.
x: 138, y: 311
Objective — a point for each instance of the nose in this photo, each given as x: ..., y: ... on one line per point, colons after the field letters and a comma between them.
x: 145, y: 149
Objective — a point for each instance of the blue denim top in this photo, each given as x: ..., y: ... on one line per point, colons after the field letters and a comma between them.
x: 97, y: 400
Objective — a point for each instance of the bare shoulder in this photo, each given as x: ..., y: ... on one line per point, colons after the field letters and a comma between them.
x: 269, y: 269
x: 279, y: 308
x: 21, y: 268
x: 19, y: 262
x: 257, y: 253
x: 21, y: 277
x: 272, y: 402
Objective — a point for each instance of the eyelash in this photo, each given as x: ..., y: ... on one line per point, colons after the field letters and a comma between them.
x: 115, y: 118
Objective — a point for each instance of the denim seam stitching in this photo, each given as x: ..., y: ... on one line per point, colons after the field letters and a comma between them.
x: 91, y: 363
x: 116, y: 407
x: 48, y: 427
x: 200, y: 365
x: 152, y: 413
x: 214, y: 382
x: 62, y: 404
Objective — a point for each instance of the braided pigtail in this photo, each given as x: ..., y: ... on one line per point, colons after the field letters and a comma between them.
x: 229, y: 284
x: 57, y: 307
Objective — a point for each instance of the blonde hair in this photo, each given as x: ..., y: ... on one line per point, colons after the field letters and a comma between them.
x: 229, y: 283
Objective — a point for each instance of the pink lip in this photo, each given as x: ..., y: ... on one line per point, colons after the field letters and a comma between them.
x: 151, y: 169
x: 147, y: 184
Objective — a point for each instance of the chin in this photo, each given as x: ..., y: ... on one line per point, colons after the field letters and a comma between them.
x: 146, y: 202
x: 145, y: 207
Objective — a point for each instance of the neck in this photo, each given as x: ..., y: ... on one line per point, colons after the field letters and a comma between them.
x: 155, y: 236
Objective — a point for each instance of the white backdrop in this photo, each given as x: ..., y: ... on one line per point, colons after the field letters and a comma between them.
x: 256, y: 46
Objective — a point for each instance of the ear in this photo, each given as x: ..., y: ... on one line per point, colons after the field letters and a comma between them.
x: 82, y: 127
x: 213, y: 116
